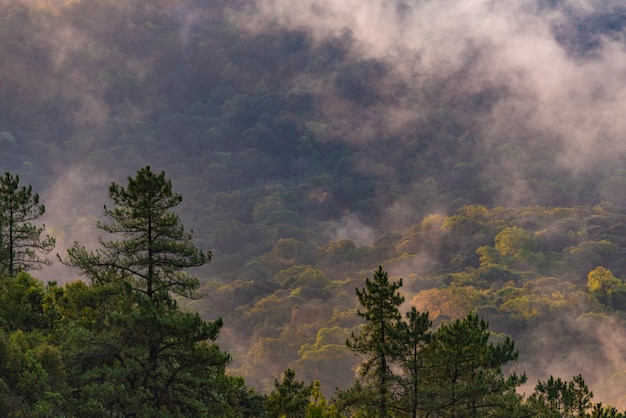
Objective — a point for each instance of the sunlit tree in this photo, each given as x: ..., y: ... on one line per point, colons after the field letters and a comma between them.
x: 601, y: 283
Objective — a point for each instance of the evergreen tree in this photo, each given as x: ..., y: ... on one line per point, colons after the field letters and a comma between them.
x: 557, y: 398
x: 150, y: 359
x: 463, y: 375
x: 20, y: 239
x: 414, y: 337
x: 318, y: 407
x: 290, y: 397
x: 154, y: 248
x: 379, y: 337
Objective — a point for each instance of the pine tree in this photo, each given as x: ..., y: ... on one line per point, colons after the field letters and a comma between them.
x: 154, y: 248
x: 379, y: 337
x: 20, y: 239
x: 149, y: 356
x: 559, y: 398
x: 414, y: 336
x: 463, y: 375
x: 290, y: 397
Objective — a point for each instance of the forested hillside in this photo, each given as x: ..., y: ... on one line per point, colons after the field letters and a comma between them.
x: 473, y: 148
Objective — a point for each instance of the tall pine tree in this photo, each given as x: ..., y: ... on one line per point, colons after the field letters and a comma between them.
x: 379, y: 336
x: 150, y: 356
x: 415, y: 336
x: 20, y: 239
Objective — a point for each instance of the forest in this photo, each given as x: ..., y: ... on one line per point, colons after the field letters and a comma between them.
x: 471, y: 150
x: 119, y: 345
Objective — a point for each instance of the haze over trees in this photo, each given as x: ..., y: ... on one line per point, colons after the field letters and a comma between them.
x: 485, y: 168
x: 120, y: 344
x: 20, y: 239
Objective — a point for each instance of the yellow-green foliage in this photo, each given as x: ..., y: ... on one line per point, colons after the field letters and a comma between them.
x: 601, y: 282
x: 512, y: 239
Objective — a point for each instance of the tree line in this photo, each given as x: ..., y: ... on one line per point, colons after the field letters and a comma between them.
x: 455, y: 370
x: 118, y: 345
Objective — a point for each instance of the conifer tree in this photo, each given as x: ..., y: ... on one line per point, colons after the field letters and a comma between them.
x: 559, y: 398
x: 414, y: 336
x: 154, y: 248
x: 379, y: 337
x: 463, y: 376
x: 290, y: 397
x: 20, y: 239
x: 150, y: 356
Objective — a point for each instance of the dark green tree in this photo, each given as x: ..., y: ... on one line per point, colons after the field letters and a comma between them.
x: 153, y: 249
x: 290, y: 398
x: 557, y: 398
x: 21, y: 298
x: 319, y: 407
x: 463, y: 375
x: 150, y: 359
x: 379, y: 338
x: 20, y: 240
x: 414, y: 336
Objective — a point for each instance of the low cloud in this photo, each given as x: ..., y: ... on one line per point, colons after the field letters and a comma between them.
x: 555, y: 86
x: 350, y: 227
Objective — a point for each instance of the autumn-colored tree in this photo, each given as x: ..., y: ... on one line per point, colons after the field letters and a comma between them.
x: 601, y: 283
x: 153, y: 250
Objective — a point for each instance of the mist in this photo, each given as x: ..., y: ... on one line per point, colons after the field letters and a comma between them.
x: 555, y: 85
x: 558, y: 83
x: 542, y: 81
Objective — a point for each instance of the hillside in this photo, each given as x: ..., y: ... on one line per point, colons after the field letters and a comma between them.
x: 473, y: 148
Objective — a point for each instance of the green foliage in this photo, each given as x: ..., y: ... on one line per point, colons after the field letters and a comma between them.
x: 328, y: 356
x: 161, y: 358
x: 319, y: 408
x: 290, y: 397
x: 414, y: 337
x: 558, y: 398
x: 513, y: 239
x: 78, y: 304
x: 601, y: 283
x: 455, y: 371
x: 243, y: 122
x: 22, y: 298
x: 32, y: 378
x: 149, y: 358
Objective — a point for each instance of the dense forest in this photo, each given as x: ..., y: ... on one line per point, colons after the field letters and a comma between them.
x: 473, y: 149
